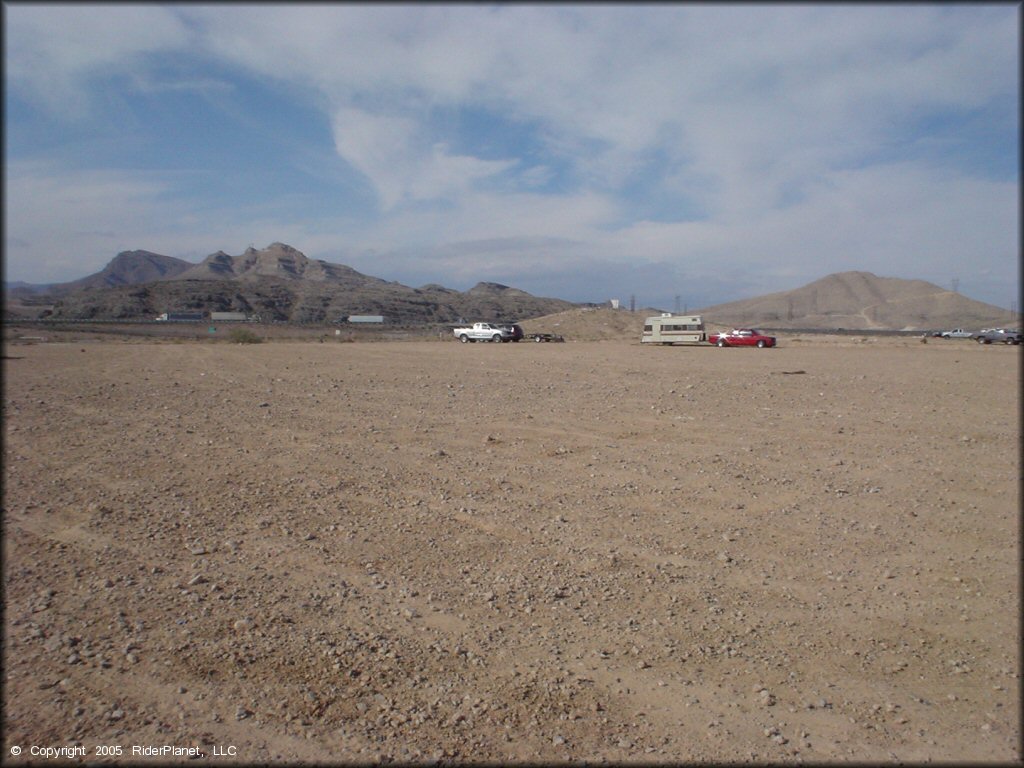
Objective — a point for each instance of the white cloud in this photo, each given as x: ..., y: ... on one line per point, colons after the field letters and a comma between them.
x: 399, y: 161
x: 51, y: 51
x: 779, y: 133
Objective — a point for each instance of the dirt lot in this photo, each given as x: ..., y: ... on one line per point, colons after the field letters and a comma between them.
x: 422, y: 551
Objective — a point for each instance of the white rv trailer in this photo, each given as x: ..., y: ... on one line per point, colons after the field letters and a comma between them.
x: 674, y: 329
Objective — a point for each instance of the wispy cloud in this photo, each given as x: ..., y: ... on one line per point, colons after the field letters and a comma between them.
x: 52, y: 52
x: 401, y: 163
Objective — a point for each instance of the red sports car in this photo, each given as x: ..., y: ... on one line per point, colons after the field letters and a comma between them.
x: 742, y: 337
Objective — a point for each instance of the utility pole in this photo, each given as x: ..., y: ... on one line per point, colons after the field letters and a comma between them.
x: 956, y: 284
x: 677, y: 303
x: 632, y: 302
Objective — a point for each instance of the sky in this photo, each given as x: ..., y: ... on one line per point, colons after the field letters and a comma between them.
x: 668, y: 155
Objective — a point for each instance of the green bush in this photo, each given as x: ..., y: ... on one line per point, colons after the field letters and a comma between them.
x: 243, y: 336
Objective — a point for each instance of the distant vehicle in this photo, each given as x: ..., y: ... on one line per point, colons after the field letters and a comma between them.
x: 483, y: 332
x: 378, y: 319
x: 517, y: 331
x: 674, y: 329
x: 231, y: 317
x: 538, y: 337
x: 998, y: 336
x: 956, y: 333
x: 180, y: 317
x: 742, y: 337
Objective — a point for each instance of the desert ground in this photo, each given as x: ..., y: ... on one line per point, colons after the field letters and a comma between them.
x: 421, y: 551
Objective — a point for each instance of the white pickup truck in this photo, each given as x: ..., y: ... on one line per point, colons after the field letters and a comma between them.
x: 483, y: 332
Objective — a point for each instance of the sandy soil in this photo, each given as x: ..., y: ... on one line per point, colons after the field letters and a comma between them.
x: 424, y: 551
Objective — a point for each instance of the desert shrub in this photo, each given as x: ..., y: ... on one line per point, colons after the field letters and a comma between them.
x: 243, y: 336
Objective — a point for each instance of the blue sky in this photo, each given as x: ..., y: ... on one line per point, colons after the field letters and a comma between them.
x: 585, y: 152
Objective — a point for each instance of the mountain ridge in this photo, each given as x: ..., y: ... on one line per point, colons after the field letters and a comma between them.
x: 276, y: 260
x: 278, y: 283
x: 281, y: 284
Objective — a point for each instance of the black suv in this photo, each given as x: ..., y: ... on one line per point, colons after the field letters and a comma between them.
x: 516, y: 330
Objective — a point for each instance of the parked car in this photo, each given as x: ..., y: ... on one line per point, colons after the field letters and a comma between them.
x: 956, y: 333
x: 997, y: 335
x: 742, y: 337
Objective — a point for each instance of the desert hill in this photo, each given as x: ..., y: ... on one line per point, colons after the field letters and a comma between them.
x: 132, y: 268
x: 860, y: 301
x: 127, y: 268
x: 592, y: 323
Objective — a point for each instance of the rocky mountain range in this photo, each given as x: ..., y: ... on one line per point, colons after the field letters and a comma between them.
x: 279, y: 283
